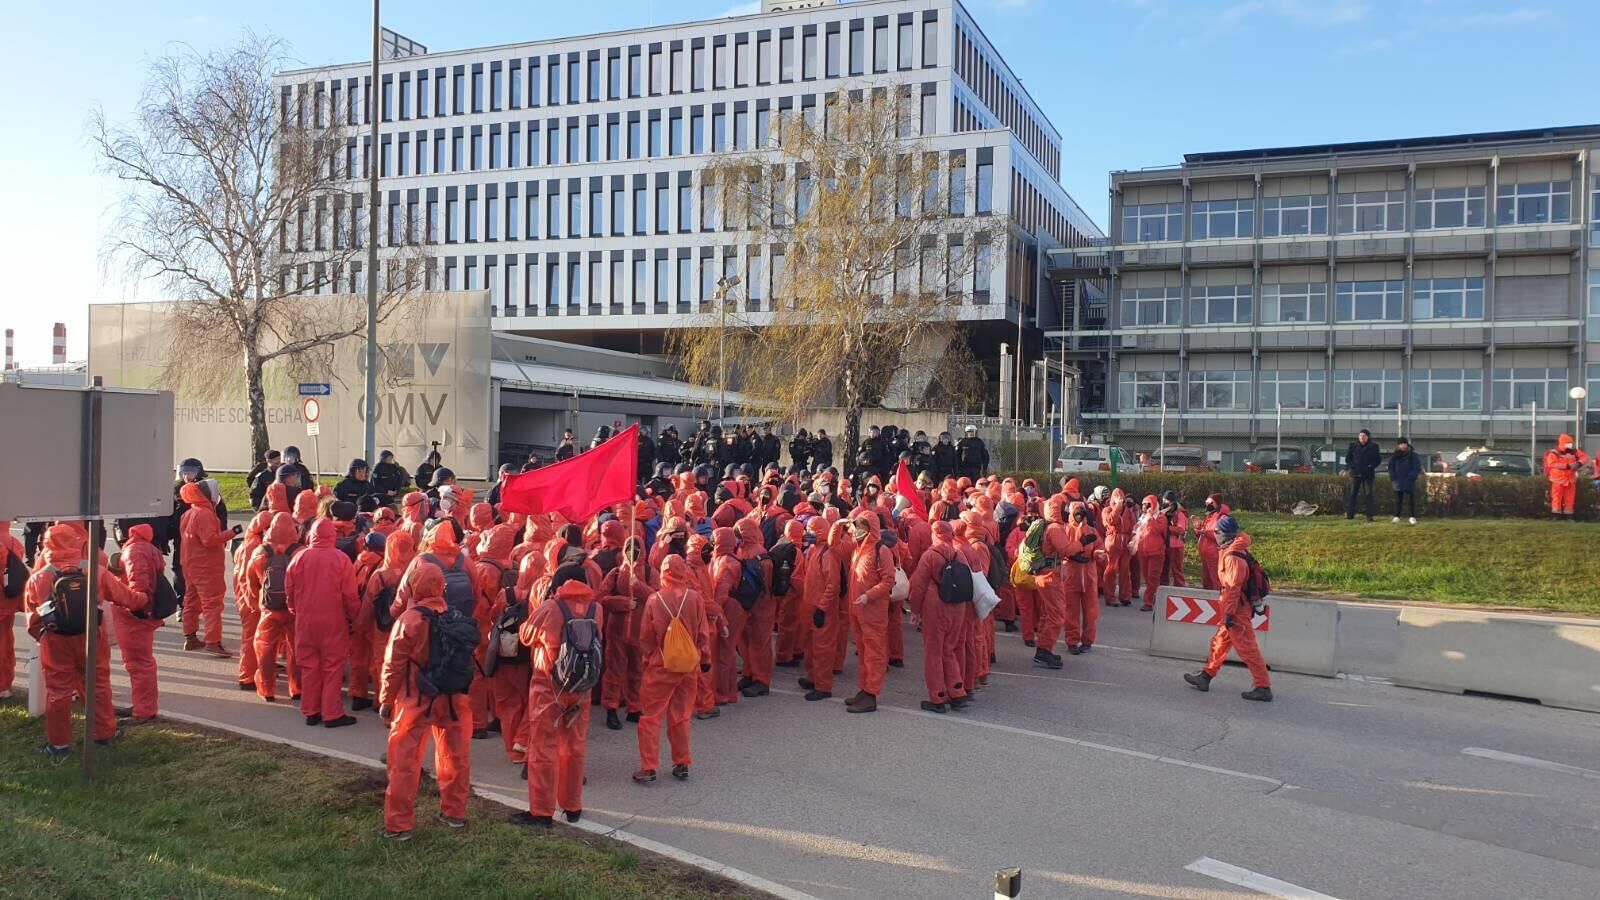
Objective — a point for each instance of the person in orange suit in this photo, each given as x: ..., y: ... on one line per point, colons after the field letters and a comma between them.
x: 754, y: 641
x: 366, y: 641
x: 977, y: 638
x: 249, y: 616
x: 793, y: 606
x: 948, y: 506
x: 1026, y: 599
x: 1116, y: 522
x: 204, y: 553
x: 1177, y: 535
x: 305, y: 512
x: 871, y: 579
x: 669, y: 695
x: 1150, y: 544
x: 63, y: 657
x: 1210, y: 555
x: 9, y: 607
x: 140, y: 566
x: 1562, y: 465
x: 492, y: 575
x: 827, y: 590
x: 700, y: 560
x: 385, y: 521
x: 620, y: 591
x: 267, y: 591
x: 1055, y: 587
x: 508, y: 686
x: 558, y: 723
x: 1083, y: 581
x: 1237, y: 630
x: 379, y: 589
x: 414, y: 516
x: 942, y: 671
x: 322, y: 598
x: 412, y: 718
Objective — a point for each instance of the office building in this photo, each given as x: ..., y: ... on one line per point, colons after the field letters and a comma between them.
x: 1445, y: 288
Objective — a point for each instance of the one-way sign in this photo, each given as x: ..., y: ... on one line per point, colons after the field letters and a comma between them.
x: 315, y: 390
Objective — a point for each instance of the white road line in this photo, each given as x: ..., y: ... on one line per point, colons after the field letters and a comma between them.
x: 1532, y: 762
x: 643, y: 843
x: 1364, y: 679
x: 959, y: 719
x: 1255, y: 881
x: 1054, y: 678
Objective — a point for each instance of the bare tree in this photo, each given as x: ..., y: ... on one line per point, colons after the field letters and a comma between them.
x: 873, y: 262
x: 240, y: 204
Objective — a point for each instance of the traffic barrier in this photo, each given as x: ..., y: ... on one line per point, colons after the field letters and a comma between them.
x: 1546, y: 658
x: 1296, y: 634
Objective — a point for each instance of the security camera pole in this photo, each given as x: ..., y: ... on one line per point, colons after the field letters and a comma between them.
x: 374, y: 111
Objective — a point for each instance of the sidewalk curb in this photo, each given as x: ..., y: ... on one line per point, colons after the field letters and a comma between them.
x: 746, y: 879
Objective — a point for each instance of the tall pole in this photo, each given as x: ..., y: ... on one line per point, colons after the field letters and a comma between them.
x: 1278, y: 451
x: 722, y: 350
x: 93, y: 404
x: 1533, y: 430
x: 374, y: 111
x: 1161, y: 448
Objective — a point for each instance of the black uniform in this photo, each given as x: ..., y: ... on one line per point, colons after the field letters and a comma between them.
x: 388, y: 480
x: 647, y: 455
x: 921, y: 458
x: 771, y: 449
x: 822, y: 453
x: 667, y: 448
x: 259, y: 482
x: 972, y: 457
x: 351, y: 491
x: 944, y: 460
x: 799, y: 450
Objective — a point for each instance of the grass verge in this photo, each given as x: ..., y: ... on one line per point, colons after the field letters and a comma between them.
x: 182, y: 811
x: 1483, y: 562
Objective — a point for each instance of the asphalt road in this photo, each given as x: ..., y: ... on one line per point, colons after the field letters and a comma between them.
x: 1109, y: 778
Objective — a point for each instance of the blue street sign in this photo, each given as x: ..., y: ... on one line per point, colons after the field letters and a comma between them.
x: 316, y: 390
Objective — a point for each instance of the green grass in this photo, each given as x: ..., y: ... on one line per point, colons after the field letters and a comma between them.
x: 235, y: 492
x: 180, y: 811
x: 1485, y: 562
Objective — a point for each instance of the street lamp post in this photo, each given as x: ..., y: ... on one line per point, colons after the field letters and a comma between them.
x: 374, y: 110
x: 1577, y: 394
x: 724, y: 284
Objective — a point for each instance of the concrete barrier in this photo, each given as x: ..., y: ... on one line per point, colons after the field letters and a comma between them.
x: 1297, y: 634
x: 1546, y: 658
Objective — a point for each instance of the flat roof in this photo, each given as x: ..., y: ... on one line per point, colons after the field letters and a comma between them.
x: 1556, y: 133
x: 566, y: 380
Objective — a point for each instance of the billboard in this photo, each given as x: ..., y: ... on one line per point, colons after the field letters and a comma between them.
x: 433, y: 386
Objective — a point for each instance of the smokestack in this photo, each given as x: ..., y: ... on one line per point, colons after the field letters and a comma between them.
x: 11, y: 350
x: 58, y: 349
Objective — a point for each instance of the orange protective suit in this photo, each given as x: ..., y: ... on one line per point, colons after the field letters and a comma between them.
x: 445, y: 718
x: 827, y: 592
x: 1116, y: 523
x: 204, y: 558
x: 275, y: 630
x: 324, y: 603
x: 142, y: 564
x: 414, y: 516
x: 754, y: 640
x: 398, y: 552
x: 366, y: 650
x: 64, y: 657
x: 1082, y: 580
x: 1561, y: 466
x: 725, y: 575
x: 558, y: 723
x: 1236, y: 631
x: 871, y: 579
x: 1057, y: 590
x: 1150, y: 546
x: 490, y: 572
x: 508, y: 686
x: 9, y: 607
x: 793, y: 607
x: 667, y: 695
x: 942, y: 667
x: 249, y: 615
x: 1210, y: 555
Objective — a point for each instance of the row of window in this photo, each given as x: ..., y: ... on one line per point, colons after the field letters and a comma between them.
x: 1442, y: 389
x: 1437, y: 299
x: 973, y: 67
x: 1355, y: 212
x: 784, y: 55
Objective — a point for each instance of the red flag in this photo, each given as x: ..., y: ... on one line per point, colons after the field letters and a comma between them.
x: 905, y: 487
x: 579, y: 487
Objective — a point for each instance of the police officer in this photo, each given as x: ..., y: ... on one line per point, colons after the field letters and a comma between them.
x: 972, y: 457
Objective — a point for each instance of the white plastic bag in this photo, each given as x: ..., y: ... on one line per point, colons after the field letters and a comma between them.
x: 902, y: 587
x: 983, y: 595
x: 35, y: 686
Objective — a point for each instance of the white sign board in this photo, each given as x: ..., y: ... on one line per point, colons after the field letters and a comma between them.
x: 313, y: 428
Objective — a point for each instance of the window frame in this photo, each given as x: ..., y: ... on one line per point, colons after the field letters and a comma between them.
x: 1206, y: 217
x: 1312, y: 382
x: 1467, y: 382
x: 1392, y: 291
x: 1275, y: 209
x: 1147, y: 388
x: 1388, y: 382
x: 1428, y: 204
x: 1351, y: 206
x: 1425, y: 294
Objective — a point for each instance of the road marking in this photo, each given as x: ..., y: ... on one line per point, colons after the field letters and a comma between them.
x: 1364, y: 679
x: 643, y: 843
x: 959, y: 719
x: 1051, y: 678
x: 1255, y: 881
x: 1532, y: 762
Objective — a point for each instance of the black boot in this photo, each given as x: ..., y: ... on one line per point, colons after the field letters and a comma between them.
x: 930, y: 706
x: 1264, y: 694
x: 814, y: 695
x: 360, y: 703
x: 1200, y: 681
x: 807, y: 684
x: 1043, y: 657
x: 613, y: 722
x: 755, y: 689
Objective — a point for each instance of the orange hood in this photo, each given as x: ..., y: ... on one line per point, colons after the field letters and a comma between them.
x: 282, y: 533
x: 398, y: 551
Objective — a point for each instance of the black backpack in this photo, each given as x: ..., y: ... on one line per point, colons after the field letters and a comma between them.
x: 16, y: 576
x: 998, y: 574
x: 163, y: 602
x: 955, y: 580
x: 769, y: 533
x: 275, y: 592
x: 606, y: 558
x: 784, y: 555
x: 578, y: 665
x: 457, y: 582
x: 452, y: 638
x: 1256, y: 585
x: 349, y: 545
x: 382, y: 606
x: 747, y: 590
x: 67, y: 610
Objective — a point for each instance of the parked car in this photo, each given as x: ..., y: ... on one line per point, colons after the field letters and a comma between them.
x: 1486, y: 463
x: 1181, y: 458
x: 1095, y: 458
x: 1281, y: 459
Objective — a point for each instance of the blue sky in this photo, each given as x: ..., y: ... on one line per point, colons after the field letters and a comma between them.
x: 1129, y: 83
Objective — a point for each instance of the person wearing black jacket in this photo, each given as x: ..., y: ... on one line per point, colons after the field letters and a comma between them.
x: 800, y: 449
x: 355, y: 484
x: 261, y: 476
x: 972, y: 457
x: 771, y: 447
x: 506, y: 471
x: 1405, y: 467
x: 667, y: 446
x: 425, y: 471
x: 601, y: 435
x: 388, y: 479
x: 921, y: 455
x: 821, y: 451
x: 944, y: 458
x: 1361, y: 459
x: 647, y: 454
x: 291, y: 461
x: 569, y: 446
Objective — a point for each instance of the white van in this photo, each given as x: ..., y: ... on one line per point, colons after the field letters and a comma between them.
x: 1095, y: 458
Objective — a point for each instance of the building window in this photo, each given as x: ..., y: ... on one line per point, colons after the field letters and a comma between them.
x: 1517, y: 388
x: 677, y: 71
x: 491, y: 222
x: 808, y: 57
x: 830, y: 51
x: 655, y: 138
x: 614, y: 78
x: 719, y: 132
x: 741, y: 64
x: 930, y: 114
x: 1366, y: 211
x: 613, y: 140
x: 930, y: 43
x: 763, y: 127
x: 741, y: 128
x: 553, y: 145
x: 675, y: 136
x: 1447, y: 298
x: 1533, y: 203
x: 1366, y: 389
x: 459, y: 101
x: 1151, y: 306
x: 594, y: 81
x: 905, y: 44
x: 634, y: 150
x: 1453, y: 389
x: 575, y: 292
x: 641, y: 211
x: 685, y: 208
x: 497, y: 90
x: 1594, y: 212
x: 1219, y: 390
x: 697, y: 133
x: 1224, y: 305
x: 1293, y: 389
x: 985, y: 197
x: 635, y: 75
x: 477, y: 92
x: 552, y: 218
x: 511, y: 218
x: 1460, y: 207
x: 663, y: 285
x: 533, y: 217
x: 663, y: 212
x: 472, y: 219
x: 619, y: 211
x: 658, y: 84
x: 1152, y: 222
x: 597, y: 211
x: 685, y: 279
x: 1212, y: 219
x: 857, y: 51
x: 708, y: 279
x: 1368, y: 301
x: 1594, y: 313
x: 786, y: 59
x: 697, y: 69
x: 880, y: 48
x: 1147, y: 390
x: 1299, y: 302
x: 764, y: 61
x: 958, y: 187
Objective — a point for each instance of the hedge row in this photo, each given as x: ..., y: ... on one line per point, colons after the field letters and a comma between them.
x: 1502, y: 497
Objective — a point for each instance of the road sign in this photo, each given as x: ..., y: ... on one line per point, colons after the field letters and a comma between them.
x: 309, y: 389
x: 313, y: 429
x: 1200, y: 611
x: 311, y: 409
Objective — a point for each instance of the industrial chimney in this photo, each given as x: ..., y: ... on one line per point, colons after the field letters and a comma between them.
x: 11, y: 350
x: 58, y: 349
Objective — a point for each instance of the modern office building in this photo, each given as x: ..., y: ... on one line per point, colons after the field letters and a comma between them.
x: 1445, y: 288
x: 564, y: 175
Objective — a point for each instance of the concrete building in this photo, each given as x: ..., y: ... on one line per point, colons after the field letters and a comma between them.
x: 1445, y: 288
x: 563, y: 175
